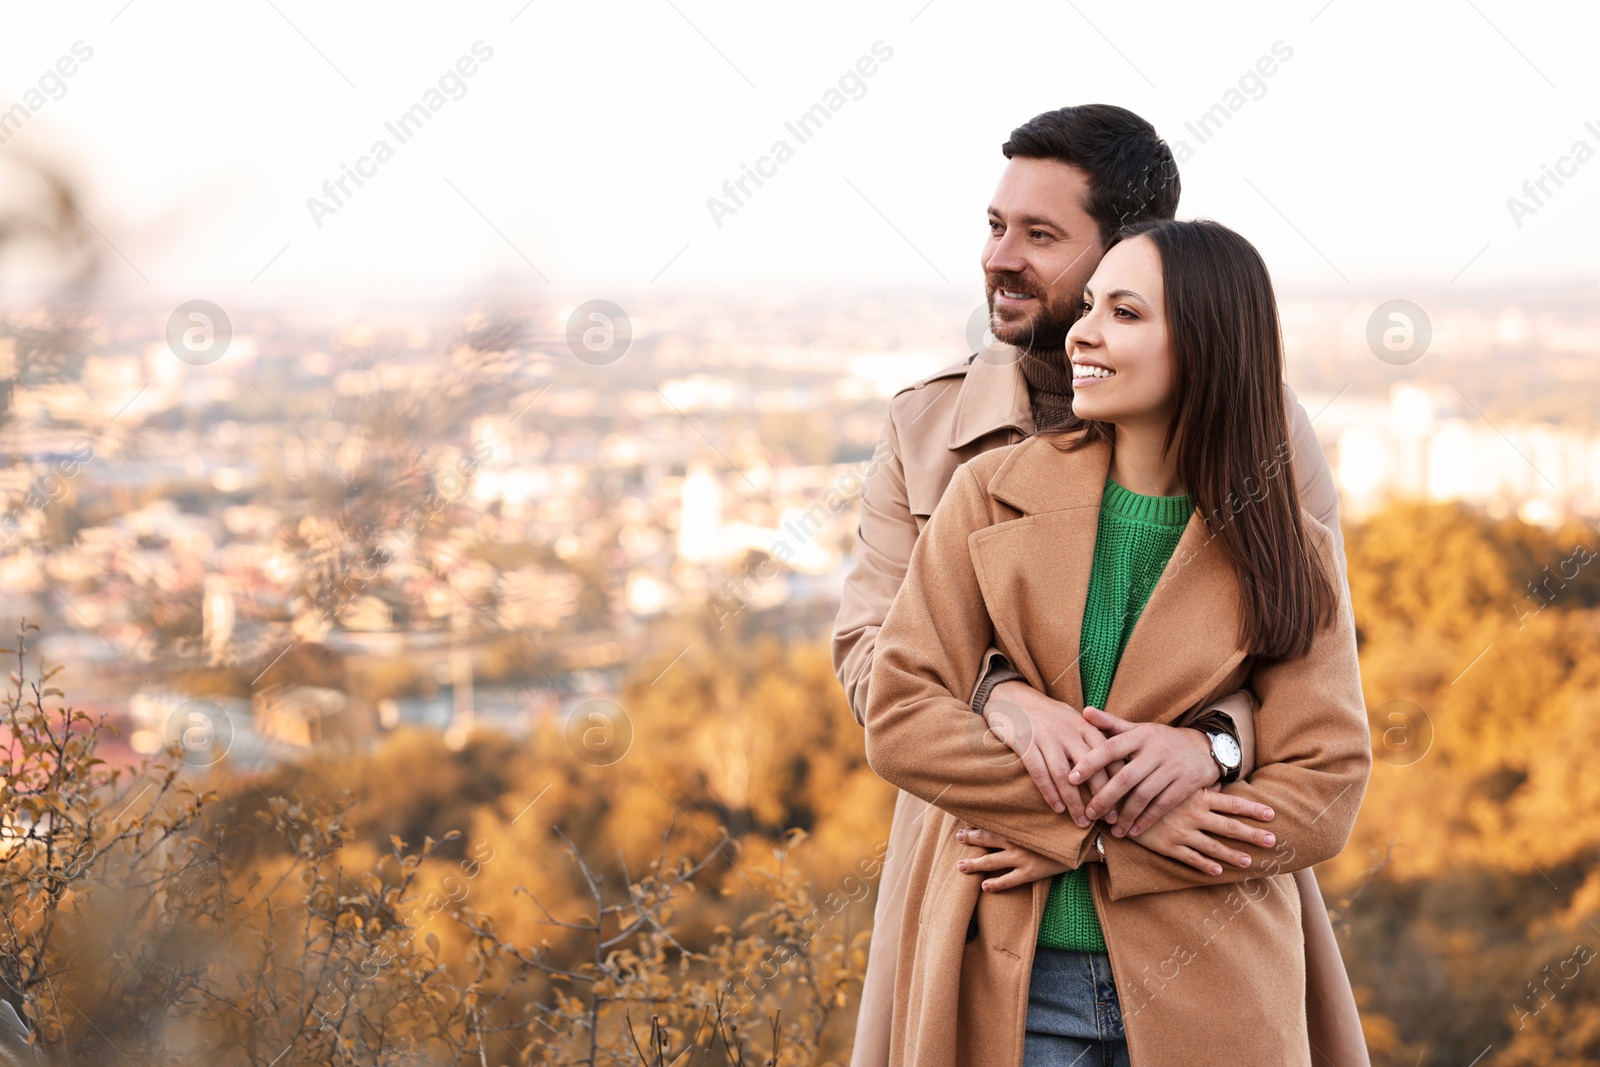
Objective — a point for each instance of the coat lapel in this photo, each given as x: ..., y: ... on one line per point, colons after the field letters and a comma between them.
x: 1035, y: 582
x: 1186, y: 641
x: 1034, y: 570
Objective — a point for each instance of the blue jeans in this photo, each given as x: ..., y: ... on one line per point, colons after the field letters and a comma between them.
x: 1074, y: 1016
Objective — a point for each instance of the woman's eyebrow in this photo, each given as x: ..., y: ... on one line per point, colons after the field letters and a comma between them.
x: 1116, y: 294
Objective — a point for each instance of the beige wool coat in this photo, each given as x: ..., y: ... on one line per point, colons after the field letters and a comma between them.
x: 961, y: 411
x: 1206, y: 966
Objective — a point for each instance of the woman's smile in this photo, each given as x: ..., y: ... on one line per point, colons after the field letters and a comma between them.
x: 1087, y: 372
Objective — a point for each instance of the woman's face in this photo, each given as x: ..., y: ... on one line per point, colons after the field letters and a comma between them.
x: 1123, y: 370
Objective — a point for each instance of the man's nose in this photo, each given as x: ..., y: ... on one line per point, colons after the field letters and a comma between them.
x: 1005, y: 256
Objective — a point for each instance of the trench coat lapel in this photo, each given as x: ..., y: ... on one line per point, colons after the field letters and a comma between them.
x: 993, y: 397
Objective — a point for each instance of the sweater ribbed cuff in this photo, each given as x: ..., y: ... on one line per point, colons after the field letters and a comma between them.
x: 1000, y: 670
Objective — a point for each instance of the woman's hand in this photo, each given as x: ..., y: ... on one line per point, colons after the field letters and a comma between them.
x: 1163, y: 765
x: 1196, y: 831
x: 1020, y: 865
x: 1050, y: 738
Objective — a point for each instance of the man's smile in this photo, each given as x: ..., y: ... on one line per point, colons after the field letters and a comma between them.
x: 1011, y: 296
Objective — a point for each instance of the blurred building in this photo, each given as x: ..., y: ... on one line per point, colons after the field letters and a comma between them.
x: 1429, y: 443
x: 700, y: 516
x: 300, y: 715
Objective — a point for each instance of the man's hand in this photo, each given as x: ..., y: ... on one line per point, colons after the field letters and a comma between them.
x: 1163, y: 765
x: 1051, y: 738
x: 1196, y: 832
x: 1021, y: 866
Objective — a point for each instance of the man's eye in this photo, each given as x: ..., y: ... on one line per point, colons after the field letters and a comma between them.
x: 995, y: 227
x: 1037, y: 234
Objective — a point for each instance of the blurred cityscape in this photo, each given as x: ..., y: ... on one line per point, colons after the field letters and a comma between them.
x: 300, y: 532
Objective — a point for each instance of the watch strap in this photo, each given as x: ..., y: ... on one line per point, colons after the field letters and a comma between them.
x: 1214, y: 721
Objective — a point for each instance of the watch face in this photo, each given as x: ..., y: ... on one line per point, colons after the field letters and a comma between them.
x: 1227, y: 750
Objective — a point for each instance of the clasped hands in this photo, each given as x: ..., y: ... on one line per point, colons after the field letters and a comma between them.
x: 1152, y: 782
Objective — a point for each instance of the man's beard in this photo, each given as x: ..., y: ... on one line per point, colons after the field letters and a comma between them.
x: 1045, y: 331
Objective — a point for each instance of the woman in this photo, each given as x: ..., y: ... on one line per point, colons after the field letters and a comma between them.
x: 1154, y: 556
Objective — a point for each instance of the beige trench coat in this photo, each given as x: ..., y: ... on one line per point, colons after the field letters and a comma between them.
x: 1205, y: 965
x: 960, y: 412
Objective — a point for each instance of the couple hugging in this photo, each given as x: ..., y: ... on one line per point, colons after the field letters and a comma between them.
x: 1099, y: 634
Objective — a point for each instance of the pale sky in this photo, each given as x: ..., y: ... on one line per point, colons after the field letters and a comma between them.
x: 579, y: 159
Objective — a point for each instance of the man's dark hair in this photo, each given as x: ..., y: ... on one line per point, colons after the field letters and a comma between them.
x: 1132, y: 175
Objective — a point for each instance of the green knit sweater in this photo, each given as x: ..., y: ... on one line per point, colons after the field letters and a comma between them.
x: 1136, y: 538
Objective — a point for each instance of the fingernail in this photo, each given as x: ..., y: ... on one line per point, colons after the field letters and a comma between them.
x: 1269, y: 813
x: 1082, y: 821
x: 961, y: 866
x: 1269, y: 839
x: 1074, y: 777
x: 1216, y: 870
x: 1116, y: 831
x: 1244, y: 861
x: 961, y: 835
x: 1089, y: 812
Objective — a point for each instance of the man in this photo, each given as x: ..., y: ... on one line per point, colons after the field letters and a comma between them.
x: 1074, y: 177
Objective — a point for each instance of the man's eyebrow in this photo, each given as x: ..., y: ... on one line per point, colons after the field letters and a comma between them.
x: 1031, y: 220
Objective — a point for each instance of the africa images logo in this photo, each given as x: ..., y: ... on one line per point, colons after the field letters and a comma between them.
x: 806, y: 126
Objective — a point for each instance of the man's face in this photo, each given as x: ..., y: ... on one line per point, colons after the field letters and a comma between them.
x: 1042, y: 248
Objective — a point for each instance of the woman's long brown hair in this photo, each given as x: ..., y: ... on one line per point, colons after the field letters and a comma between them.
x: 1231, y: 430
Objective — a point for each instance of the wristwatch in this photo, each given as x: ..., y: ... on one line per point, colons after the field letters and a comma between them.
x: 1223, y: 734
x: 1225, y: 754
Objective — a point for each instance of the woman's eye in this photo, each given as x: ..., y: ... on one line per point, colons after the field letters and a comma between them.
x: 1084, y: 306
x: 1125, y: 311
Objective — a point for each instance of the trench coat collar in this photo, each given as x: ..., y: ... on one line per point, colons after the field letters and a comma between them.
x: 1185, y: 641
x: 993, y: 397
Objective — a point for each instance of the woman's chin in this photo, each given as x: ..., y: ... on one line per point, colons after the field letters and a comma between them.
x: 1088, y: 409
